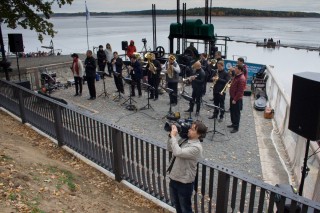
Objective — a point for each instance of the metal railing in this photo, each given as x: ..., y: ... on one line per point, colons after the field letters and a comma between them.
x: 141, y: 161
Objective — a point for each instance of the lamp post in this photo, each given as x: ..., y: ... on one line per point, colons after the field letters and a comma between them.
x: 4, y: 63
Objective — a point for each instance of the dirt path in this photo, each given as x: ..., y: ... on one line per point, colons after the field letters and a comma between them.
x: 37, y: 176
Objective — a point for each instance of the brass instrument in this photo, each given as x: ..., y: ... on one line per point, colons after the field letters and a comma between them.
x: 170, y: 70
x: 228, y: 85
x: 213, y: 62
x: 214, y: 81
x: 188, y: 80
x: 152, y: 67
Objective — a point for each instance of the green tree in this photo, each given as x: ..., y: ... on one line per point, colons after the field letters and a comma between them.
x: 32, y: 14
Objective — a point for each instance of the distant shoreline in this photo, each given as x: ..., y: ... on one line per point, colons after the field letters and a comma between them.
x: 215, y: 12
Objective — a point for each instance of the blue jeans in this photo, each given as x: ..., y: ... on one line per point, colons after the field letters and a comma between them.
x: 181, y: 194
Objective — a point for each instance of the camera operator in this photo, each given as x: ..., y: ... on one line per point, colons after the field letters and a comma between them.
x: 183, y: 165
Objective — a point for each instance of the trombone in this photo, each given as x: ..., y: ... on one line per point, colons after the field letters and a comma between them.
x: 228, y: 85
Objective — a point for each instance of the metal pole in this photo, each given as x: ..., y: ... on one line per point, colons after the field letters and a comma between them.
x: 18, y: 66
x: 87, y: 25
x: 304, y: 169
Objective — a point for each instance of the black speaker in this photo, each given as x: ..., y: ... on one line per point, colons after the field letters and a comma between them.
x: 15, y: 43
x: 124, y: 45
x: 305, y: 105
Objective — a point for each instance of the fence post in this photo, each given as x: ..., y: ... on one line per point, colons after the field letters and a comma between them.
x: 21, y: 107
x: 223, y: 192
x: 58, y: 124
x: 117, y: 154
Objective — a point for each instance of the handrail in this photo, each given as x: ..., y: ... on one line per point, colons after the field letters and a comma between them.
x: 140, y: 161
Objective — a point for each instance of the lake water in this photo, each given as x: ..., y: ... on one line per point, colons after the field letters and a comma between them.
x: 72, y: 37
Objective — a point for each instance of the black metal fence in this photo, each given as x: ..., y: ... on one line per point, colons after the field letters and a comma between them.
x: 142, y: 162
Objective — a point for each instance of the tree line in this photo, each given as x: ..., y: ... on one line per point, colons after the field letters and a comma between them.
x: 215, y: 11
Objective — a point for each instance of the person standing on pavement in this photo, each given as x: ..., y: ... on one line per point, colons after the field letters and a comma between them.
x: 197, y: 82
x: 136, y: 75
x: 109, y: 56
x: 220, y: 78
x: 117, y: 71
x: 77, y: 70
x: 172, y: 78
x: 90, y: 68
x: 154, y: 70
x: 182, y: 169
x: 102, y: 59
x: 236, y: 94
x: 131, y: 49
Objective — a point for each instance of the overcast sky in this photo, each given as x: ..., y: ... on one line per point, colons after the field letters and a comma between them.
x: 133, y: 5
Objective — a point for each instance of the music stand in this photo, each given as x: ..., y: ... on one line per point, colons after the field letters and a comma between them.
x: 169, y: 91
x: 105, y: 93
x: 130, y: 106
x: 212, y: 106
x: 149, y: 87
x: 188, y: 98
x: 119, y: 97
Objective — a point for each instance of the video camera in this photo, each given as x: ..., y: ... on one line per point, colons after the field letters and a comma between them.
x: 144, y: 40
x: 183, y: 127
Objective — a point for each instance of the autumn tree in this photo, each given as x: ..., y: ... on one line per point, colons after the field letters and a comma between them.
x: 32, y: 14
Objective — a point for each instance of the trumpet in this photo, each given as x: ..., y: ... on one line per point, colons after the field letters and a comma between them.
x: 213, y: 62
x: 228, y: 85
x: 188, y: 80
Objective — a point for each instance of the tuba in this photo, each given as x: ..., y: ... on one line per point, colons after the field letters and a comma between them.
x: 170, y: 71
x: 152, y: 67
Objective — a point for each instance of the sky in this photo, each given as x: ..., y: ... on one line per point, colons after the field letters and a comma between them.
x: 134, y: 5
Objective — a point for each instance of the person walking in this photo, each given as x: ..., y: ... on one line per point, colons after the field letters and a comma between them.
x: 77, y: 70
x: 182, y: 169
x: 90, y: 68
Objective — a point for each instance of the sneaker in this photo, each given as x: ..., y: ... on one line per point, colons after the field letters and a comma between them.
x: 230, y: 126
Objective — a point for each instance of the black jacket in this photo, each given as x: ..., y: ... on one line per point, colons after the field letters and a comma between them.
x: 158, y: 69
x: 90, y: 67
x: 223, y: 79
x: 102, y: 57
x: 118, y: 64
x: 197, y: 83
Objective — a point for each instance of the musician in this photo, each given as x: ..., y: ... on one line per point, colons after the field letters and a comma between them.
x: 207, y: 69
x: 154, y: 72
x: 117, y: 69
x: 245, y: 67
x: 221, y: 77
x: 172, y: 78
x: 217, y: 57
x: 136, y: 75
x: 197, y: 82
x: 90, y: 69
x: 236, y: 93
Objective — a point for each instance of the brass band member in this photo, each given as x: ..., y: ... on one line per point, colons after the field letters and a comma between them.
x: 207, y: 69
x: 221, y: 77
x: 172, y: 78
x: 136, y: 75
x: 197, y: 82
x: 236, y: 93
x: 154, y: 71
x: 117, y: 69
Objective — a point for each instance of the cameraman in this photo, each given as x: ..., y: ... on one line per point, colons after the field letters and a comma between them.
x: 183, y: 165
